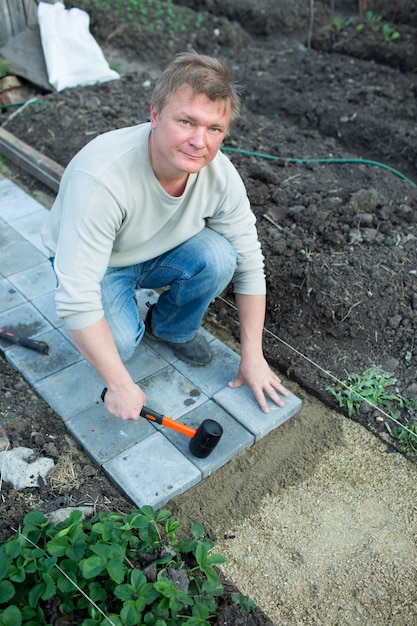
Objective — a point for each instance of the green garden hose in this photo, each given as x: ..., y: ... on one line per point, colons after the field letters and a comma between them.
x: 285, y: 161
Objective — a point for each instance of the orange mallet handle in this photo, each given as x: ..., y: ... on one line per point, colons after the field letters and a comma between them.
x: 153, y: 416
x: 163, y: 420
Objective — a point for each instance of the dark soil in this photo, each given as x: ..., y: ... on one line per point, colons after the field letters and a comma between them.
x: 339, y: 236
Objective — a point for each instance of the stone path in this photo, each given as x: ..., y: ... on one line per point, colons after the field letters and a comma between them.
x: 148, y: 462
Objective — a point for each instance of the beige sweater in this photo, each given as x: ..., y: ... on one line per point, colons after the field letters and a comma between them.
x: 112, y: 212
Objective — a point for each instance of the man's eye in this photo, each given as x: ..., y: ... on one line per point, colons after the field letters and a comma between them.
x: 185, y: 122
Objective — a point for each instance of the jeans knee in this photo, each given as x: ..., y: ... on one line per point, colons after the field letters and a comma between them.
x: 220, y: 259
x: 127, y: 340
x: 125, y: 350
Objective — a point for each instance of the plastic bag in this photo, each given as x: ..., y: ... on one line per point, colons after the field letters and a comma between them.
x: 72, y: 55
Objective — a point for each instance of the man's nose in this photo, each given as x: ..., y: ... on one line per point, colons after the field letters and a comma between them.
x: 198, y: 137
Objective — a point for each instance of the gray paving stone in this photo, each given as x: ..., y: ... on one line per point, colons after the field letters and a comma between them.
x: 152, y: 472
x: 9, y: 297
x: 170, y: 393
x: 72, y: 390
x: 103, y: 436
x: 242, y: 405
x: 144, y: 362
x: 26, y: 226
x: 34, y: 281
x: 213, y: 377
x: 20, y: 256
x: 26, y: 321
x: 35, y: 366
x: 8, y: 236
x: 234, y: 439
x: 46, y: 305
x: 14, y: 202
x: 30, y: 226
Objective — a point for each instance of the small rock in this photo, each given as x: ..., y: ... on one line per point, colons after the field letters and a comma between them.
x: 89, y: 470
x: 18, y: 471
x: 391, y: 364
x: 51, y: 449
x: 20, y: 386
x: 369, y: 234
x: 406, y: 213
x: 61, y: 514
x: 395, y: 321
x: 38, y: 439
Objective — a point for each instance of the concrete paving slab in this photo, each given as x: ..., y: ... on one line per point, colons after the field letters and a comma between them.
x: 105, y: 437
x: 31, y: 224
x: 171, y: 393
x: 34, y: 281
x: 8, y: 236
x: 18, y: 257
x: 9, y: 296
x: 213, y: 377
x: 46, y: 306
x: 64, y: 392
x: 26, y: 321
x: 234, y: 439
x: 144, y: 362
x: 152, y: 472
x: 35, y: 366
x: 243, y: 406
x: 14, y: 202
x: 148, y: 462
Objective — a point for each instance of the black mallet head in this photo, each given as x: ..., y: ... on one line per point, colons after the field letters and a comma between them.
x: 206, y: 438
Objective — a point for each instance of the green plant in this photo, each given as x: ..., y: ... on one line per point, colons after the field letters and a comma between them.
x: 112, y: 569
x: 4, y: 67
x: 374, y: 386
x: 371, y: 20
x: 389, y: 33
x: 149, y: 16
x: 245, y: 603
x: 407, y: 437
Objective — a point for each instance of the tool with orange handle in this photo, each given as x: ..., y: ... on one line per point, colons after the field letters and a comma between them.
x: 32, y: 344
x: 203, y: 439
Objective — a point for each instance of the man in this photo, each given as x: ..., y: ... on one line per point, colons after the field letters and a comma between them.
x: 158, y: 205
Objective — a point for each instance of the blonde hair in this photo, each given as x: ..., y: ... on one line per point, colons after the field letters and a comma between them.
x: 204, y: 74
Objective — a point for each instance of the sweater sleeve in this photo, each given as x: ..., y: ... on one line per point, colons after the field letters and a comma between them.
x: 83, y: 249
x: 235, y: 220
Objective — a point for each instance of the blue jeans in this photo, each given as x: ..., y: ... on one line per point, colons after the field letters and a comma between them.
x: 196, y: 272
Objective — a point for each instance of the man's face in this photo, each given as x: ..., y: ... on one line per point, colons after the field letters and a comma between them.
x: 187, y: 133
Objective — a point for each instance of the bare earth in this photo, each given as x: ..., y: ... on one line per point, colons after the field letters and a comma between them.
x: 318, y: 520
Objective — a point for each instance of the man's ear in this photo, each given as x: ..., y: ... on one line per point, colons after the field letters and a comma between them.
x: 153, y: 116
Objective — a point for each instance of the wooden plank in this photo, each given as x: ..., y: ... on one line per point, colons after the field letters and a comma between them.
x: 31, y: 12
x: 5, y: 21
x: 35, y: 163
x: 17, y: 16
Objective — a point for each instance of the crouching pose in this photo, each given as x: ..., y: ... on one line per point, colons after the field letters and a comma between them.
x: 158, y: 205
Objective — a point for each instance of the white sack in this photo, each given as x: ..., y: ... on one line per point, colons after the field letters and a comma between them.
x: 72, y: 55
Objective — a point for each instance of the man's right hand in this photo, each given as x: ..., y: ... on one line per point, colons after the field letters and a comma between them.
x: 125, y: 403
x: 123, y: 398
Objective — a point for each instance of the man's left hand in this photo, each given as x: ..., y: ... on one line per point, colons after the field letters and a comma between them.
x: 262, y: 380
